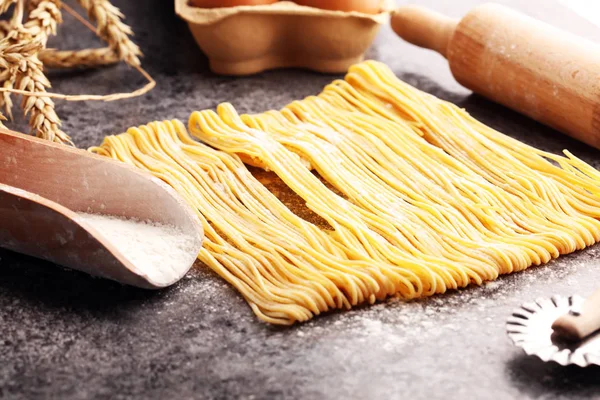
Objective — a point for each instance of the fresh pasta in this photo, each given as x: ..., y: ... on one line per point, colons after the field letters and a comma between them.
x: 418, y: 196
x: 286, y: 268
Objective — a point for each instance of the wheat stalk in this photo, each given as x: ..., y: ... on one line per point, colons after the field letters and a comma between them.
x: 112, y: 30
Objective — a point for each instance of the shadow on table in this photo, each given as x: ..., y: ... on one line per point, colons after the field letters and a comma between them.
x: 535, y: 377
x: 45, y: 285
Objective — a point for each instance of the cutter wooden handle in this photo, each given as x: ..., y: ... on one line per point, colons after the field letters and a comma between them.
x: 550, y: 75
x: 578, y: 327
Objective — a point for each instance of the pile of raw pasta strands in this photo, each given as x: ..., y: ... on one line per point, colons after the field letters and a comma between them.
x: 419, y: 197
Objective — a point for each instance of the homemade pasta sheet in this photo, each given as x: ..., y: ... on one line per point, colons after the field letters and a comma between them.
x: 408, y: 196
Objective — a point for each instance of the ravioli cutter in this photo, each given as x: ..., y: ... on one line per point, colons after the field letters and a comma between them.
x: 562, y: 329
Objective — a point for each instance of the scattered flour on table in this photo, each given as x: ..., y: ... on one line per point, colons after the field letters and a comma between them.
x: 159, y: 252
x: 396, y: 325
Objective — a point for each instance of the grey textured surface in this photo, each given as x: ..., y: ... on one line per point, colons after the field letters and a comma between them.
x: 65, y: 335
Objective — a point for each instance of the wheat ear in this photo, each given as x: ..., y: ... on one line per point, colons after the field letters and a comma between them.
x: 43, y: 119
x: 86, y: 58
x: 42, y: 22
x: 13, y: 57
x: 43, y: 19
x: 11, y: 27
x: 110, y: 27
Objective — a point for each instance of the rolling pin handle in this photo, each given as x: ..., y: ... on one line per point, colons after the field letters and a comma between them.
x: 423, y: 27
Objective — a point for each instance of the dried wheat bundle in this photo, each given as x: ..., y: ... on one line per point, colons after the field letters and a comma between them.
x: 23, y: 56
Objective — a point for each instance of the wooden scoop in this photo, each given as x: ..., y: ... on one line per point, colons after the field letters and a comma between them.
x: 548, y: 74
x: 43, y: 186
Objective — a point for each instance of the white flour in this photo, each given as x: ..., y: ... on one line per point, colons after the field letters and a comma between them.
x: 160, y: 252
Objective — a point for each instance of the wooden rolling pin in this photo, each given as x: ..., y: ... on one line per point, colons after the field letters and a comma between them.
x: 550, y: 75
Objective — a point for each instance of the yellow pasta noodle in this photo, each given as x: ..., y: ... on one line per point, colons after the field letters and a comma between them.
x: 286, y: 268
x: 419, y: 196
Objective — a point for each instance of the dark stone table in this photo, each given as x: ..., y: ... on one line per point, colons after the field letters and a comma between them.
x: 65, y: 335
